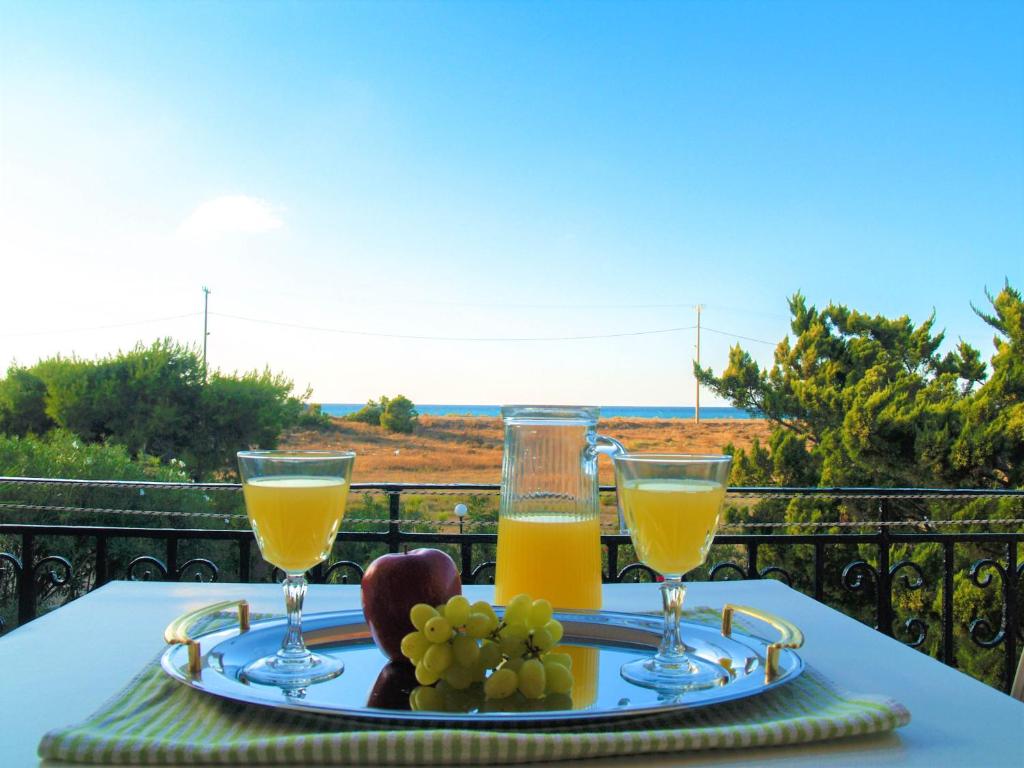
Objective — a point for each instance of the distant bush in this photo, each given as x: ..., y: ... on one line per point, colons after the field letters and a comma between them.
x: 395, y: 414
x: 369, y: 413
x: 399, y: 415
x: 313, y: 417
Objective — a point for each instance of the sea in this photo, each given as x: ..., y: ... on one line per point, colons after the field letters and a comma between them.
x: 607, y: 411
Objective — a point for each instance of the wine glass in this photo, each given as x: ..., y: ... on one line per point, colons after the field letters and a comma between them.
x: 671, y: 505
x: 295, y: 501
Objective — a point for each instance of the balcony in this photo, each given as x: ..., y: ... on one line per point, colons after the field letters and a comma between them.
x: 938, y: 569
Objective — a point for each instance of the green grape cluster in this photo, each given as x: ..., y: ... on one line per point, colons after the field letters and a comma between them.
x: 459, y: 644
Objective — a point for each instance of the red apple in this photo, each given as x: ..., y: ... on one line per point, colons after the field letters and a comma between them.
x: 394, y: 583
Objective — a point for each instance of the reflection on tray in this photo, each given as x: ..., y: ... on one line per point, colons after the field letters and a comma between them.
x: 598, y: 645
x: 396, y: 689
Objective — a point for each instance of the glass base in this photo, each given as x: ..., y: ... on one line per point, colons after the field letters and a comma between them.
x: 687, y: 674
x: 293, y: 673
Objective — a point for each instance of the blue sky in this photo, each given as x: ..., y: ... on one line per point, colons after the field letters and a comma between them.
x: 498, y: 170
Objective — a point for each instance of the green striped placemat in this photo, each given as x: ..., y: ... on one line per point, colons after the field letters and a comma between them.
x: 158, y: 721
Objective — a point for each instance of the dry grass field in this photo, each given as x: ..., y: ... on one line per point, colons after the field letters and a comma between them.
x: 467, y: 449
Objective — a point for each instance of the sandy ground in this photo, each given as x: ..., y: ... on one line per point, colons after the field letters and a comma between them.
x: 447, y: 449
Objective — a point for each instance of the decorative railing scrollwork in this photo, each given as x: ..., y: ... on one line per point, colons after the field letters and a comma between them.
x: 980, y: 627
x: 774, y: 570
x: 194, y: 569
x: 861, y: 576
x: 1020, y: 623
x: 913, y: 624
x: 341, y: 569
x: 726, y: 567
x: 633, y: 570
x: 484, y: 568
x: 856, y: 575
x: 908, y: 565
x: 53, y: 572
x: 13, y: 561
x: 916, y: 625
x: 142, y: 568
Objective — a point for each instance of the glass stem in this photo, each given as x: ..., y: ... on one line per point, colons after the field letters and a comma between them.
x: 293, y: 649
x: 672, y: 650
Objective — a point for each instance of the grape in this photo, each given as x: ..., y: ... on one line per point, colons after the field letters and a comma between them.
x: 559, y: 658
x: 425, y: 676
x: 478, y: 625
x: 559, y: 679
x: 532, y: 679
x: 542, y: 640
x: 490, y: 654
x: 479, y: 671
x: 518, y: 609
x: 512, y: 647
x: 414, y: 645
x: 438, y: 630
x: 456, y: 610
x: 426, y: 699
x: 515, y: 663
x: 438, y: 657
x: 556, y: 630
x: 501, y: 684
x: 420, y: 614
x: 539, y: 614
x: 515, y: 631
x: 465, y: 650
x: 458, y: 677
x: 482, y: 606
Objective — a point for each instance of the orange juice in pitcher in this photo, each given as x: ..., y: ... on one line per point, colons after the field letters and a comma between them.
x: 549, y: 536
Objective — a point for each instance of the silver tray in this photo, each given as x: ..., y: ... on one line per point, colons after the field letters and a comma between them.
x: 600, y: 642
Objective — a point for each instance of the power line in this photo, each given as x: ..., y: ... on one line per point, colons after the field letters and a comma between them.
x: 102, y: 327
x: 738, y: 336
x: 496, y: 305
x: 416, y: 337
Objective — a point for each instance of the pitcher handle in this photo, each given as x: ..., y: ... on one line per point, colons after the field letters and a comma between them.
x: 611, y: 448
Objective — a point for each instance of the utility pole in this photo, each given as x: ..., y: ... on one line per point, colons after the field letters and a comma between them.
x: 696, y: 412
x: 206, y: 307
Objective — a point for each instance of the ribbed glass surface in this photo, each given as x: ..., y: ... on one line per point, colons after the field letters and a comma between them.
x: 549, y: 465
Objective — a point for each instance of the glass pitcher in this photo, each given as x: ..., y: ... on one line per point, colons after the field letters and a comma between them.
x: 549, y: 531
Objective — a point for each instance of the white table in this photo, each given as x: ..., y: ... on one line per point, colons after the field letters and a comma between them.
x: 61, y: 667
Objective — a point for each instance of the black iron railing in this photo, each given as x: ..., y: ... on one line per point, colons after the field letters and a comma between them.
x: 870, y: 568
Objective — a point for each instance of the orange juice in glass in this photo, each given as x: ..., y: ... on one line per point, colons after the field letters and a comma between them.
x: 671, y: 505
x: 295, y: 501
x: 295, y: 519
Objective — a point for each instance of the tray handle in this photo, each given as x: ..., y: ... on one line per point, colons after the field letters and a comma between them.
x: 790, y: 635
x: 177, y: 631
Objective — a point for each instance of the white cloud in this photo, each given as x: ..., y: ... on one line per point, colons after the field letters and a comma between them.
x: 231, y: 213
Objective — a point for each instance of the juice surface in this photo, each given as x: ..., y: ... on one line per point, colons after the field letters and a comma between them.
x: 672, y: 522
x: 551, y: 557
x: 295, y: 519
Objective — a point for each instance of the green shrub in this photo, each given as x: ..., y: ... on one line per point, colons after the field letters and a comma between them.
x: 23, y: 404
x: 313, y: 417
x: 155, y: 401
x: 369, y: 413
x: 399, y: 414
